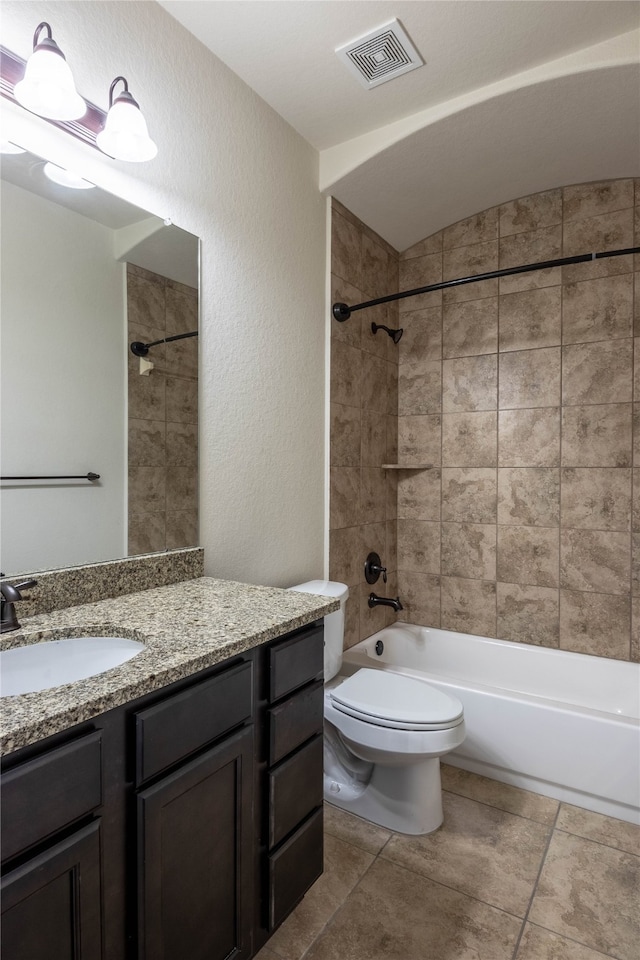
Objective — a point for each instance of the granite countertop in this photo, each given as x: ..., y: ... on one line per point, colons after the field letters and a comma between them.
x: 186, y: 627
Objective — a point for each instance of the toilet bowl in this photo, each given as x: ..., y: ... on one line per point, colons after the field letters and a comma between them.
x: 384, y: 735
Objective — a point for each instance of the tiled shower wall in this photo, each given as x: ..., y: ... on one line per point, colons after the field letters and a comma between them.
x: 163, y: 415
x: 520, y: 393
x: 364, y: 422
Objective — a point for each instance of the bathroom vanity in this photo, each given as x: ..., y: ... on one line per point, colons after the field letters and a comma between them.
x: 182, y: 822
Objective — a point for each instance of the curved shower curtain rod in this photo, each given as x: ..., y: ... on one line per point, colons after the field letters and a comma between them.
x: 142, y: 349
x: 342, y: 312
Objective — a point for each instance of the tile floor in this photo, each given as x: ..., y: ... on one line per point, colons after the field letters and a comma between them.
x: 509, y: 876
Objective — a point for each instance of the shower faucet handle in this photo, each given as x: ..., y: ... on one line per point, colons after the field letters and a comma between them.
x: 373, y: 568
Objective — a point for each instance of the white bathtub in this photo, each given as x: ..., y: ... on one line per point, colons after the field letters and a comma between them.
x: 562, y: 724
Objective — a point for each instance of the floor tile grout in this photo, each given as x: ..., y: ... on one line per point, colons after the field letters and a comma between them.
x: 535, y: 885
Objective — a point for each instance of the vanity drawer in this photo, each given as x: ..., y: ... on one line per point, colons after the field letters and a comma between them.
x: 295, y: 789
x: 181, y: 724
x: 42, y: 796
x: 296, y: 661
x: 295, y: 720
x: 294, y: 867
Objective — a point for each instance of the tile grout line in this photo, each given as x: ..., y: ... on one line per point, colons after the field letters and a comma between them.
x: 535, y: 885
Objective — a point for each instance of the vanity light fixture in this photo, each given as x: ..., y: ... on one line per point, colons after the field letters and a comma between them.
x: 66, y: 178
x: 47, y: 87
x: 125, y: 135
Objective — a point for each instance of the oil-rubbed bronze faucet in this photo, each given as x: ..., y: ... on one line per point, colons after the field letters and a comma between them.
x: 10, y: 595
x: 376, y: 601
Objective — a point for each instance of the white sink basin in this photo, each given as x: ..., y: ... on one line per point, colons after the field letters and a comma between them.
x: 40, y: 666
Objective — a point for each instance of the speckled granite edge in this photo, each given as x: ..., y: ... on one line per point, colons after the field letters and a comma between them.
x: 70, y: 586
x: 186, y: 627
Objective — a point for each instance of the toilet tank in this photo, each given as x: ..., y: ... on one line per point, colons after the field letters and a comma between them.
x: 333, y: 622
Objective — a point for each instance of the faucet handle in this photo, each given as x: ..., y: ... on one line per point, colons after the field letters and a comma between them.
x: 373, y: 568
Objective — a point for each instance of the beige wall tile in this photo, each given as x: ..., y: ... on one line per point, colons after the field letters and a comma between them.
x: 476, y: 229
x: 419, y: 494
x: 598, y: 435
x: 391, y: 455
x: 528, y: 555
x: 549, y: 277
x: 420, y: 596
x: 432, y: 244
x: 375, y: 269
x: 595, y: 560
x: 420, y: 388
x: 373, y: 539
x: 146, y: 302
x: 147, y: 442
x: 468, y: 606
x: 419, y: 546
x: 597, y: 372
x: 147, y: 530
x: 636, y: 304
x: 635, y: 629
x: 372, y: 495
x: 182, y: 488
x: 469, y: 494
x: 469, y: 550
x: 635, y: 564
x: 374, y: 384
x: 595, y: 623
x: 182, y: 444
x: 477, y: 290
x: 530, y: 378
x: 344, y: 500
x: 419, y: 272
x: 182, y: 400
x: 528, y: 614
x: 609, y: 231
x: 470, y: 328
x: 531, y: 213
x: 345, y: 435
x: 181, y: 311
x: 374, y: 439
x: 147, y: 397
x: 346, y: 374
x: 469, y: 439
x: 597, y: 309
x: 470, y: 260
x: 591, y: 199
x: 636, y: 434
x: 529, y: 438
x: 352, y: 619
x: 345, y: 555
x: 529, y: 496
x: 597, y: 498
x: 532, y: 246
x: 182, y: 529
x: 593, y: 269
x: 470, y: 383
x: 422, y: 337
x: 349, y: 331
x: 419, y: 439
x: 370, y: 342
x: 375, y: 618
x: 636, y: 368
x: 390, y: 553
x: 531, y: 318
x: 346, y: 250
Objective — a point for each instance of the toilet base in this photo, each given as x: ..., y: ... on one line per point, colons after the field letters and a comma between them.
x: 406, y: 799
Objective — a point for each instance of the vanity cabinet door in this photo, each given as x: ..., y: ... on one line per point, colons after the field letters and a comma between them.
x: 51, y: 905
x: 195, y: 848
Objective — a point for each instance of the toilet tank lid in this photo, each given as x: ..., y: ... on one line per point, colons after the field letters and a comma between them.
x: 323, y: 588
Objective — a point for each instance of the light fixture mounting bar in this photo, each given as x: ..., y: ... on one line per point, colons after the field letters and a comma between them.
x: 86, y: 129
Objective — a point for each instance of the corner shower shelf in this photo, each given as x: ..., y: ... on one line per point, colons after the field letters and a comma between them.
x: 407, y: 466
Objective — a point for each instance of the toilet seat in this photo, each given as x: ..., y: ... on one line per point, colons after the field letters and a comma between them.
x: 386, y: 699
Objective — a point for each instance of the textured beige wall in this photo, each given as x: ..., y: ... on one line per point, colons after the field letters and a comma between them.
x: 163, y: 415
x: 364, y: 422
x: 520, y: 392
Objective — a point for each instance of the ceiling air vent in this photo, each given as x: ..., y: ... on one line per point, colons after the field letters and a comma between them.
x: 380, y: 55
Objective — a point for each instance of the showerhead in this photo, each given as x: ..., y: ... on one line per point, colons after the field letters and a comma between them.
x: 394, y: 334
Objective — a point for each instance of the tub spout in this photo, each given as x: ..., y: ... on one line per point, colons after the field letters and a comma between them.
x: 375, y: 601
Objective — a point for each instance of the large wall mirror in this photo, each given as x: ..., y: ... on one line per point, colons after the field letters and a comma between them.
x: 84, y: 274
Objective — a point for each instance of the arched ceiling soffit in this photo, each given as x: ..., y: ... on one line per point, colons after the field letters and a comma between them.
x: 576, y: 124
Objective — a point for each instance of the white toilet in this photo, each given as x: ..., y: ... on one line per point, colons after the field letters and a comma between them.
x: 384, y: 735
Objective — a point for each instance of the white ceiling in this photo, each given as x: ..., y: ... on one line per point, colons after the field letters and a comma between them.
x: 506, y: 104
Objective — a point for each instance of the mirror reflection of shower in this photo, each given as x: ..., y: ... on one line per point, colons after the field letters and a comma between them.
x: 394, y: 334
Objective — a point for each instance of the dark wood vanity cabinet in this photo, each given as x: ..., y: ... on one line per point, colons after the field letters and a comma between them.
x: 186, y: 824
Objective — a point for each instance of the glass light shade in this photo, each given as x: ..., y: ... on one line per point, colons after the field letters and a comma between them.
x: 66, y: 178
x: 125, y: 135
x: 47, y: 87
